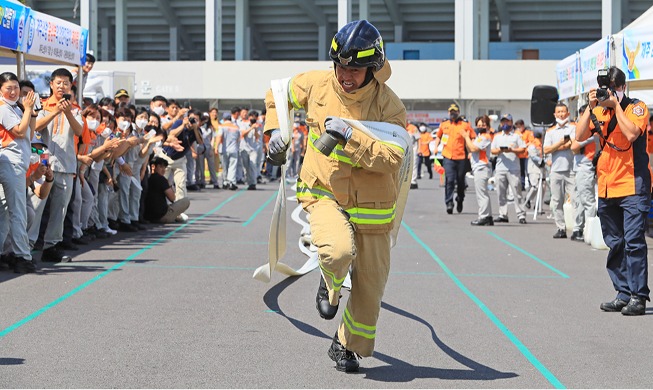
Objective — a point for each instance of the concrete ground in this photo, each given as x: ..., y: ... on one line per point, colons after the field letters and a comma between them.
x: 176, y: 307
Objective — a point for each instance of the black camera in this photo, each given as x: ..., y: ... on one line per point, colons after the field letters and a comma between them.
x: 603, y: 92
x: 252, y: 121
x: 192, y: 120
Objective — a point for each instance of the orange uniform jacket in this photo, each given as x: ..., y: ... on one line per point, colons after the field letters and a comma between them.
x: 424, y: 140
x: 623, y: 173
x: 454, y: 143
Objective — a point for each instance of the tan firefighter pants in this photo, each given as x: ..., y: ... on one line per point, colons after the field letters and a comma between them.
x: 340, y: 247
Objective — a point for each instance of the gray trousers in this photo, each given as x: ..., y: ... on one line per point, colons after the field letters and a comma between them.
x: 77, y: 209
x: 13, y: 210
x: 585, y: 200
x: 503, y: 180
x: 130, y: 198
x: 62, y: 190
x: 94, y: 180
x: 413, y: 179
x: 229, y: 167
x: 561, y: 183
x: 190, y: 167
x: 38, y: 205
x: 208, y: 157
x: 103, y: 205
x: 481, y: 176
x: 88, y: 200
x: 248, y: 161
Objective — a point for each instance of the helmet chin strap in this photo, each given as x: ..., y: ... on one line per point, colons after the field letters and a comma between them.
x: 369, y: 75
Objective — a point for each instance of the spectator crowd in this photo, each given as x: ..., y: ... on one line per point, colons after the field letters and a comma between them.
x: 70, y: 174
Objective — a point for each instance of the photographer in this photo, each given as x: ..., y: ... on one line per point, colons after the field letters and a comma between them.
x: 557, y: 143
x: 624, y: 183
x: 186, y: 131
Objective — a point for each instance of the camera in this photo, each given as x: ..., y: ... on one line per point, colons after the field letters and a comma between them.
x: 192, y: 120
x: 252, y: 121
x: 603, y: 93
x: 67, y: 96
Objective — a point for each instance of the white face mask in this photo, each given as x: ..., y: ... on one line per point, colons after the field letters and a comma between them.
x: 92, y: 124
x: 620, y: 95
x: 34, y: 159
x: 10, y: 102
x: 109, y: 111
x: 422, y: 129
x: 141, y: 123
x: 159, y: 110
x: 561, y: 122
x: 124, y: 125
x: 106, y: 133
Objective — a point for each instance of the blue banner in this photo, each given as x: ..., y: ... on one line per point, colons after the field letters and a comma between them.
x: 12, y: 24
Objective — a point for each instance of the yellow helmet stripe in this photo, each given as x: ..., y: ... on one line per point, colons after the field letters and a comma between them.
x: 334, y: 45
x: 365, y: 53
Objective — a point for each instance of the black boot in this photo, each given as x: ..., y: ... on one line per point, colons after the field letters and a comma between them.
x: 322, y: 302
x: 345, y: 359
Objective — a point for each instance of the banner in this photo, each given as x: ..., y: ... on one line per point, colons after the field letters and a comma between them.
x: 431, y: 118
x: 12, y: 24
x: 568, y: 76
x: 53, y: 38
x: 637, y: 54
x: 593, y: 58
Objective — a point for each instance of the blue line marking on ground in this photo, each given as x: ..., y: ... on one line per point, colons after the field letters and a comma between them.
x: 516, y: 342
x: 544, y: 263
x: 263, y: 206
x: 86, y: 284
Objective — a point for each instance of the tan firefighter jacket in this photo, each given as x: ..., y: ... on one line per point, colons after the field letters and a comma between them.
x: 362, y: 175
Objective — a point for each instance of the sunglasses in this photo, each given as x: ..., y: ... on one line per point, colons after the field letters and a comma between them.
x: 37, y: 151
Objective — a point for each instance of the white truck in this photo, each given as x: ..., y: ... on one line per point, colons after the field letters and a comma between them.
x: 101, y: 83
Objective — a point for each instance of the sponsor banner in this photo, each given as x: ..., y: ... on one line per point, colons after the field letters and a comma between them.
x: 53, y: 38
x: 568, y: 76
x: 12, y: 24
x: 637, y: 54
x: 593, y: 58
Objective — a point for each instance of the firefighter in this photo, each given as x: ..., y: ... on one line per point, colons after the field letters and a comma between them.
x: 351, y: 193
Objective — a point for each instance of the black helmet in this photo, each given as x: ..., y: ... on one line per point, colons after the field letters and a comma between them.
x: 358, y: 44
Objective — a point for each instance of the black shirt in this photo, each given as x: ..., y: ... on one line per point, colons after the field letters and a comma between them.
x: 186, y: 137
x: 156, y: 202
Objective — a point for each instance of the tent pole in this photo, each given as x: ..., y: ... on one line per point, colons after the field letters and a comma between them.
x: 20, y: 66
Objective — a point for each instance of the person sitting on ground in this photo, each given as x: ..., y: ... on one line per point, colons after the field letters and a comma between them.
x: 159, y: 192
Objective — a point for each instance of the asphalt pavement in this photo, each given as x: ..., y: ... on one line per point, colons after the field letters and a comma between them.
x: 176, y: 306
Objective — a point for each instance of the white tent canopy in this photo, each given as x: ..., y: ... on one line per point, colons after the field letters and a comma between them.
x: 631, y: 50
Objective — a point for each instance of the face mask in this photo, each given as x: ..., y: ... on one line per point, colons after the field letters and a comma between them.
x: 561, y: 122
x: 109, y: 111
x: 106, y: 133
x: 124, y: 125
x: 480, y: 130
x: 453, y: 116
x: 92, y: 124
x: 10, y: 102
x: 422, y: 129
x: 141, y: 123
x: 505, y: 127
x: 620, y: 95
x: 34, y: 159
x: 159, y: 110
